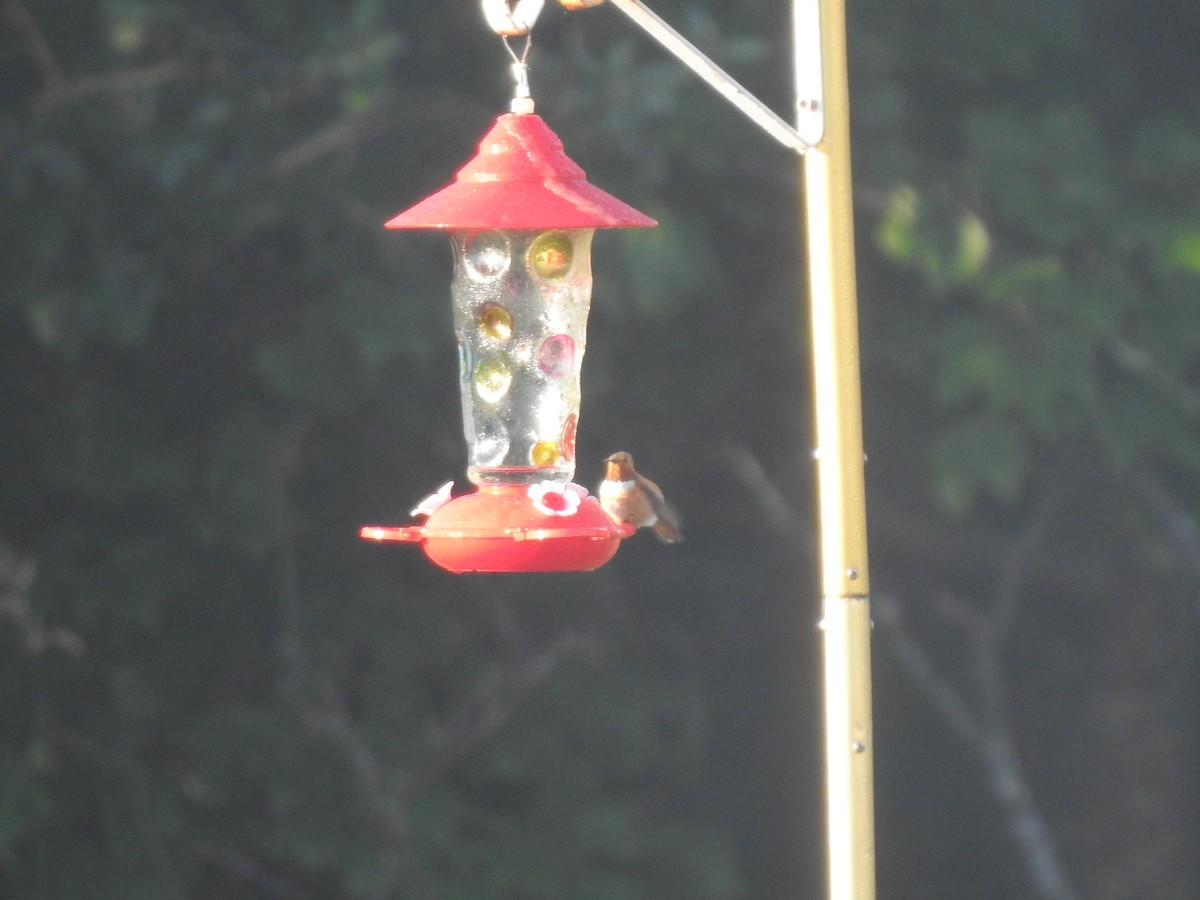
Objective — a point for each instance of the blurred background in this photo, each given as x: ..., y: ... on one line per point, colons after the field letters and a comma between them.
x: 215, y: 365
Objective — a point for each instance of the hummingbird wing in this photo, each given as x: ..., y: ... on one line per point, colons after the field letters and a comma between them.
x: 667, y: 524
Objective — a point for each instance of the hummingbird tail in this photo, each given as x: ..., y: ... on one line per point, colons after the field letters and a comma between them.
x: 667, y: 532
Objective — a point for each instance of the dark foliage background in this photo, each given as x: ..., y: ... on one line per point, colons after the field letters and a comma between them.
x: 215, y: 365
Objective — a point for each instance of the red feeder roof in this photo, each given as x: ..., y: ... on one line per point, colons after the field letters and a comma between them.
x: 521, y: 179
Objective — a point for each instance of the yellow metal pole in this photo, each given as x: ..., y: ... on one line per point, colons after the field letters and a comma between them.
x: 823, y: 136
x: 839, y: 456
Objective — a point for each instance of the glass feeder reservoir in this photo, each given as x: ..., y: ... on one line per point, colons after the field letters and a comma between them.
x: 520, y: 317
x: 520, y: 216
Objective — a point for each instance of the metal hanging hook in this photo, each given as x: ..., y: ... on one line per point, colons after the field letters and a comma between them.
x: 522, y: 102
x: 510, y: 22
x: 523, y: 59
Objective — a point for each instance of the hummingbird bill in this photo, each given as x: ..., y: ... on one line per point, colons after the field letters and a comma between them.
x: 628, y: 496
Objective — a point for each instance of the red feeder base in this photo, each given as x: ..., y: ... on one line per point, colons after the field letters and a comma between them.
x: 514, y: 528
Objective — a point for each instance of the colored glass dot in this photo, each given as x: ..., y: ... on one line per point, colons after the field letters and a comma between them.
x: 544, y: 454
x: 487, y: 255
x: 491, y: 442
x: 550, y: 255
x: 556, y: 356
x: 493, y: 378
x: 568, y: 437
x: 496, y: 322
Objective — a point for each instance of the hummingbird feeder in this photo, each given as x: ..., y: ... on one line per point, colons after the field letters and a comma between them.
x: 520, y: 216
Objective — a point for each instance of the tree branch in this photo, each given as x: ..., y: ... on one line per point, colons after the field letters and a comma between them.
x: 983, y: 728
x: 780, y: 514
x: 17, y: 577
x: 115, y: 82
x: 1174, y: 519
x: 492, y: 702
x: 123, y: 761
x: 389, y: 109
x: 386, y: 791
x: 980, y: 722
x: 344, y: 132
x: 249, y: 871
x: 34, y: 42
x: 284, y: 465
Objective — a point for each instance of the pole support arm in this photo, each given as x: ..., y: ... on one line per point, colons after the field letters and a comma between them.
x: 810, y: 107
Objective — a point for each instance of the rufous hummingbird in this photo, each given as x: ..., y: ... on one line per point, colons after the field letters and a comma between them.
x: 629, y: 497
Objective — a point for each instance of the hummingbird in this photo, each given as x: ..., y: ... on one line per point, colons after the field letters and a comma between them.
x: 629, y: 497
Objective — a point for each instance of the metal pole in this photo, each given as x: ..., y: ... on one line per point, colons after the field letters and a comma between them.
x: 822, y: 135
x: 839, y: 457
